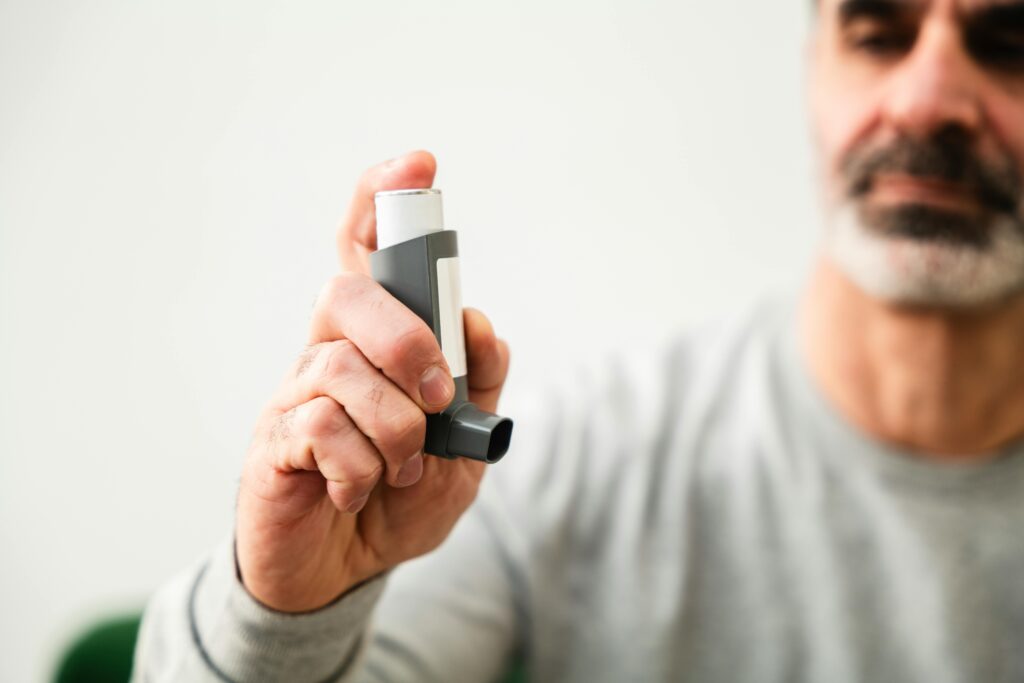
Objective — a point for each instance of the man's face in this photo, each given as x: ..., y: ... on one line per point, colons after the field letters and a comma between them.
x: 918, y: 108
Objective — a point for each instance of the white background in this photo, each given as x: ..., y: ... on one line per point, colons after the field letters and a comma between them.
x: 171, y: 174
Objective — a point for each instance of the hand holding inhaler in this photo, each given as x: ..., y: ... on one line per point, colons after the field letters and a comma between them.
x: 335, y: 488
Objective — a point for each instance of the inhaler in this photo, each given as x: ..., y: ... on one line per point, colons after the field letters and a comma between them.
x: 417, y: 262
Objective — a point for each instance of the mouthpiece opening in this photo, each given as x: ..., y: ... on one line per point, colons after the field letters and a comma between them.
x: 479, y: 435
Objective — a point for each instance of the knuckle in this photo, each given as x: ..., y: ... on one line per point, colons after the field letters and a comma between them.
x: 307, y: 358
x: 332, y: 292
x: 342, y: 357
x: 412, y: 344
x: 410, y: 425
x: 281, y: 427
x: 402, y: 431
x: 361, y: 474
x: 325, y: 418
x: 351, y: 461
x: 341, y: 288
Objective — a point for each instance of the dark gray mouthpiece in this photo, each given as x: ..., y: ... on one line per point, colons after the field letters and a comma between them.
x: 465, y: 430
x: 479, y: 435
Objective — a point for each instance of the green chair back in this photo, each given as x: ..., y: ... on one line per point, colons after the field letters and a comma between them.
x: 102, y: 654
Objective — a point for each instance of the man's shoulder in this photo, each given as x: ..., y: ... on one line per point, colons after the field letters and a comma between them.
x: 643, y: 390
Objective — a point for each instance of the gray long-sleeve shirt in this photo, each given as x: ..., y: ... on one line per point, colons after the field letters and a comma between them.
x: 698, y: 514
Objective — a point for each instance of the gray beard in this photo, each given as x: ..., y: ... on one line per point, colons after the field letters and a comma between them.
x: 918, y: 256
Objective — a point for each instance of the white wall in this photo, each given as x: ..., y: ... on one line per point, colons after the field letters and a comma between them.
x: 171, y: 173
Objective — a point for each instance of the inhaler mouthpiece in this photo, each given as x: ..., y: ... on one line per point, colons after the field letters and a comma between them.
x: 417, y: 262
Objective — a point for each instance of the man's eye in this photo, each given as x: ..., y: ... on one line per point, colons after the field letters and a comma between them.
x: 882, y: 43
x: 999, y: 53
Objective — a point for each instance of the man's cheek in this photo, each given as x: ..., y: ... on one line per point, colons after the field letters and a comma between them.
x: 844, y: 122
x: 1008, y: 133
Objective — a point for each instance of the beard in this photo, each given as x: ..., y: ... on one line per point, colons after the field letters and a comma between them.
x: 917, y: 253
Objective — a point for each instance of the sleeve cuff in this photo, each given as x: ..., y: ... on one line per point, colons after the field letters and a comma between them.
x: 243, y: 640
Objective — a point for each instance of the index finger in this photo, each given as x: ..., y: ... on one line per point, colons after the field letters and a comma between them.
x: 392, y: 337
x: 357, y: 234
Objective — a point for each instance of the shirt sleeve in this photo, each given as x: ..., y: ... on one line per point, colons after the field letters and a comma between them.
x: 205, y: 626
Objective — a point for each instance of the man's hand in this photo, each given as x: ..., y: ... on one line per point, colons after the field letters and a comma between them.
x: 335, y: 487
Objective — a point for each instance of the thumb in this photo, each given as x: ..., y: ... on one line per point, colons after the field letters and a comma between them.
x: 357, y: 234
x: 487, y: 360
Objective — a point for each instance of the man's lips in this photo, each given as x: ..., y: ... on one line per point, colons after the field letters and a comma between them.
x: 891, y: 189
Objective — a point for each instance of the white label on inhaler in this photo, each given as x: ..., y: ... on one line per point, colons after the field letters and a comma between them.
x: 449, y: 303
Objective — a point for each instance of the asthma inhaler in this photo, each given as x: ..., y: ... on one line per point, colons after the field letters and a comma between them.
x: 417, y: 262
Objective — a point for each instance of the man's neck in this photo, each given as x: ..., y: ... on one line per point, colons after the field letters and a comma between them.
x: 945, y: 384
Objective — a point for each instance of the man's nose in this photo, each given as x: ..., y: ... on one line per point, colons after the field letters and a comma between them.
x: 935, y: 88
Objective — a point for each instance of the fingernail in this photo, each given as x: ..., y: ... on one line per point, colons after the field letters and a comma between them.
x: 411, y: 471
x: 436, y: 388
x: 358, y: 504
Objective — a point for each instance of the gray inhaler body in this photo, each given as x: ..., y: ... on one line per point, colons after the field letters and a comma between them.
x: 417, y: 262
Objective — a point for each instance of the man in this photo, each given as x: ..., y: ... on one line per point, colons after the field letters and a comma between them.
x: 832, y: 492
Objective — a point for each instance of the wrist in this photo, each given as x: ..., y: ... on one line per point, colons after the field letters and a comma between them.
x: 294, y: 594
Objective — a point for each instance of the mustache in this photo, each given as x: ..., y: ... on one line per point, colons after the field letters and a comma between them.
x: 945, y: 156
